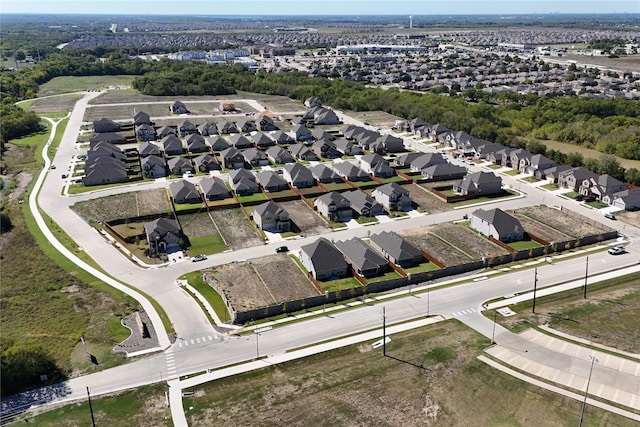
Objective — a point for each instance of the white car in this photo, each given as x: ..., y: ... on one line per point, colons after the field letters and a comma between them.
x: 618, y: 250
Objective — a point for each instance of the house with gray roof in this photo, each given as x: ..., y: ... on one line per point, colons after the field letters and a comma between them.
x: 601, y: 186
x: 110, y: 137
x: 323, y: 260
x: 348, y: 148
x: 266, y: 123
x: 363, y: 258
x: 255, y: 157
x: 404, y: 160
x: 325, y: 116
x: 206, y: 163
x: 393, y: 197
x: 186, y: 128
x: 243, y: 182
x: 271, y: 216
x: 312, y: 101
x: 153, y: 167
x: 172, y: 145
x: 104, y: 170
x: 164, y: 236
x: 363, y: 204
x: 164, y: 131
x: 388, y: 144
x: 324, y: 174
x: 326, y: 149
x: 145, y: 132
x: 240, y: 141
x: 178, y: 107
x: 479, y: 184
x: 179, y: 166
x: 350, y: 172
x: 232, y: 158
x: 628, y: 200
x: 271, y: 181
x: 443, y: 172
x: 425, y: 160
x: 333, y: 206
x: 142, y: 118
x: 298, y: 175
x: 105, y: 125
x: 148, y: 149
x: 535, y: 163
x: 195, y: 143
x: 302, y: 152
x: 246, y: 126
x: 226, y: 127
x: 213, y: 188
x: 207, y: 129
x: 573, y: 178
x: 218, y: 143
x: 302, y: 133
x: 497, y: 224
x: 279, y: 155
x: 104, y: 149
x: 184, y: 191
x: 396, y: 249
x: 319, y: 134
x: 262, y: 141
x: 281, y: 138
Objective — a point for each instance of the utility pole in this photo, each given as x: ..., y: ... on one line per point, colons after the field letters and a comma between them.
x: 586, y: 391
x: 586, y: 275
x: 427, y: 301
x: 93, y: 421
x: 493, y: 334
x: 384, y: 332
x: 535, y: 287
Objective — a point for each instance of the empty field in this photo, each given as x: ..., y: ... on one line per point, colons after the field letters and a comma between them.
x: 305, y: 218
x: 258, y: 283
x: 54, y: 104
x: 68, y: 84
x: 374, y: 118
x: 426, y: 201
x: 568, y: 224
x: 125, y: 205
x: 235, y: 228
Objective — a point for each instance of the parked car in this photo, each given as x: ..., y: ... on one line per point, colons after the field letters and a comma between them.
x: 52, y: 166
x: 590, y: 198
x: 610, y: 216
x: 580, y: 197
x: 618, y: 250
x: 197, y: 258
x: 64, y: 176
x: 281, y: 249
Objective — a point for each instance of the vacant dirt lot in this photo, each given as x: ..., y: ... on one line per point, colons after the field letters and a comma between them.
x: 235, y: 228
x: 258, y: 283
x: 566, y: 223
x: 374, y: 118
x: 632, y: 218
x: 451, y: 244
x: 60, y: 103
x: 275, y: 103
x: 541, y: 230
x: 426, y: 201
x: 197, y: 225
x: 305, y: 218
x: 125, y: 205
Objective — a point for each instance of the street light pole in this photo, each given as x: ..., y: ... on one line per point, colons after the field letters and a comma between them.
x: 535, y: 287
x: 586, y: 391
x: 93, y: 421
x: 586, y: 275
x: 493, y: 334
x: 384, y: 332
x: 257, y: 348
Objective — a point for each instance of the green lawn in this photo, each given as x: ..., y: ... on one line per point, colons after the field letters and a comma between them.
x: 524, y: 244
x: 422, y: 267
x: 366, y: 220
x: 344, y: 283
x: 362, y: 183
x: 207, y: 245
x: 512, y: 172
x: 494, y: 166
x: 395, y: 178
x: 551, y: 186
x: 596, y: 204
x: 179, y: 207
x: 334, y: 186
x: 212, y: 297
x: 79, y: 83
x: 388, y: 275
x: 256, y: 197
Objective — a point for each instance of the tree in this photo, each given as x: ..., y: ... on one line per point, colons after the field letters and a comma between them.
x: 22, y: 368
x: 574, y: 159
x: 632, y: 176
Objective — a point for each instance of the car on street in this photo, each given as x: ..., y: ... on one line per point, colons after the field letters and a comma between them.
x: 52, y: 166
x: 580, y: 197
x: 200, y: 257
x: 618, y: 250
x: 609, y: 216
x: 282, y: 249
x: 64, y: 176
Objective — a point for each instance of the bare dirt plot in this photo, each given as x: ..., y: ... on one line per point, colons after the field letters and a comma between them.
x: 541, y: 230
x: 125, y: 112
x: 467, y: 241
x: 197, y: 225
x: 125, y: 205
x: 235, y: 228
x: 632, y: 218
x: 374, y: 118
x: 426, y: 201
x: 564, y: 222
x: 275, y: 103
x: 305, y: 218
x: 424, y: 239
x: 258, y: 283
x: 60, y: 103
x: 119, y: 97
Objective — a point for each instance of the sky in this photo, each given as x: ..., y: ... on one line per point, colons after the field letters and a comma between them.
x: 317, y: 7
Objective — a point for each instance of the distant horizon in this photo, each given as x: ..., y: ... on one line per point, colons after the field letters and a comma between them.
x: 310, y: 8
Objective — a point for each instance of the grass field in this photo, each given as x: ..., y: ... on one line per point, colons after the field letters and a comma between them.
x: 431, y: 378
x: 76, y: 84
x: 208, y: 245
x: 212, y: 297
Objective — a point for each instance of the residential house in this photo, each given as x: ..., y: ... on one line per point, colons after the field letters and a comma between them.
x: 302, y: 133
x: 109, y: 137
x: 363, y: 258
x: 601, y: 186
x: 153, y: 166
x: 479, y: 184
x: 425, y: 160
x: 482, y: 151
x: 573, y: 178
x: 163, y: 235
x: 206, y: 163
x: 325, y: 116
x: 278, y: 155
x: 312, y: 101
x: 551, y: 174
x: 148, y: 149
x: 145, y: 132
x: 179, y: 166
x: 172, y: 145
x: 393, y: 197
x: 104, y: 170
x: 184, y: 192
x: 435, y: 131
x: 226, y: 127
x: 519, y: 159
x: 376, y: 166
x: 186, y: 128
x: 266, y: 124
x: 350, y: 172
x: 324, y: 174
x: 271, y: 216
x: 164, y: 131
x: 325, y: 148
x: 208, y: 129
x: 232, y: 158
x: 363, y: 204
x: 323, y: 260
x: 213, y: 188
x: 246, y: 126
x: 497, y: 224
x: 240, y: 141
x: 302, y: 152
x: 443, y: 172
x: 105, y: 125
x: 416, y: 124
x: 535, y: 163
x: 405, y: 160
x: 298, y: 175
x: 141, y: 118
x: 255, y: 157
x: 319, y: 134
x: 178, y: 108
x: 104, y: 149
x: 243, y: 182
x: 348, y: 148
x: 387, y: 144
x: 271, y: 181
x: 262, y: 141
x: 218, y: 143
x: 500, y: 157
x: 628, y: 200
x: 282, y: 138
x: 334, y: 206
x: 396, y: 249
x: 195, y: 143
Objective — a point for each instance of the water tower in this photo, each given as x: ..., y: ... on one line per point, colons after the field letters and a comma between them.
x: 411, y: 22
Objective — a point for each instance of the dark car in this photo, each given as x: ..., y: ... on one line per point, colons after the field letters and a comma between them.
x: 281, y: 249
x: 200, y: 257
x: 590, y: 198
x: 580, y: 197
x: 610, y: 216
